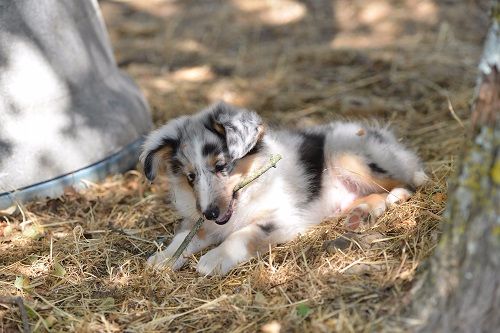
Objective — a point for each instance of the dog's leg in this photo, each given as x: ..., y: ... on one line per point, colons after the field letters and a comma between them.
x: 240, y: 246
x: 198, y: 243
x: 364, y: 211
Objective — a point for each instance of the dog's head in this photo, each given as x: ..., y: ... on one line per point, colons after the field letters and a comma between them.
x: 205, y: 156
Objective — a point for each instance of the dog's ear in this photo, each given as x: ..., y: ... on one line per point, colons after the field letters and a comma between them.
x: 241, y: 128
x: 160, y: 144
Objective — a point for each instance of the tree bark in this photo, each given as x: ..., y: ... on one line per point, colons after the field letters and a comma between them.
x: 460, y: 291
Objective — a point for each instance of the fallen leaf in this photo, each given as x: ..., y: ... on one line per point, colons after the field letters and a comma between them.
x: 58, y: 270
x: 22, y: 283
x: 303, y: 310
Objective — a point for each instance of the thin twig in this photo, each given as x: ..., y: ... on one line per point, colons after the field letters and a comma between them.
x: 185, y: 242
x: 272, y: 164
x: 120, y: 231
x: 454, y: 115
x: 20, y: 303
x: 273, y: 160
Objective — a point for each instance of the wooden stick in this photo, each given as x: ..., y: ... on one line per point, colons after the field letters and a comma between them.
x: 185, y: 242
x: 120, y: 231
x: 20, y: 303
x: 273, y: 160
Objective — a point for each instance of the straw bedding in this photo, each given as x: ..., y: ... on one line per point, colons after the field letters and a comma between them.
x: 79, y: 260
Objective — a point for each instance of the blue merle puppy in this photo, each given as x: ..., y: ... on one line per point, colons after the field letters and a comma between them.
x: 338, y: 168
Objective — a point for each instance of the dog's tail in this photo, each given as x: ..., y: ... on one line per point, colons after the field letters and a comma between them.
x: 371, y: 156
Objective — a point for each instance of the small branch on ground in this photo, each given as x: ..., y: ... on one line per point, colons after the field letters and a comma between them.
x: 185, y: 242
x: 120, y: 231
x: 273, y: 160
x: 20, y: 303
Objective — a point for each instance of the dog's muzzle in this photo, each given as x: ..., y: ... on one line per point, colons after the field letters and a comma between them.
x: 223, y: 219
x: 211, y: 213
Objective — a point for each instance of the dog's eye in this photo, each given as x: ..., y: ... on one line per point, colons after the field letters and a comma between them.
x: 191, y: 177
x: 220, y: 167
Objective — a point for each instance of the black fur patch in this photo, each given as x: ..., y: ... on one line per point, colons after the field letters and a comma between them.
x: 267, y: 228
x: 411, y: 188
x: 175, y: 165
x: 211, y: 149
x: 312, y: 157
x: 376, y: 168
x: 376, y: 135
x: 148, y: 166
x: 149, y: 160
x: 259, y: 146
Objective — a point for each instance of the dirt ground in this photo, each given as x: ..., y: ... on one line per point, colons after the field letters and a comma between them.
x: 411, y: 63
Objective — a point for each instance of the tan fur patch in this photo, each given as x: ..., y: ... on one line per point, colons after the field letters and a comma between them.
x: 219, y: 128
x: 256, y: 244
x: 354, y: 166
x: 351, y: 164
x: 386, y: 184
x: 361, y: 132
x: 243, y: 167
x: 252, y: 246
x: 163, y: 154
x: 372, y: 200
x: 201, y: 234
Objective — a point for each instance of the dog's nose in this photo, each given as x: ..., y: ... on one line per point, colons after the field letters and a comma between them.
x: 211, y: 213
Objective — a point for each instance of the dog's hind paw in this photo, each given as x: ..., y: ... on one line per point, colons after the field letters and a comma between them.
x: 365, y: 212
x: 397, y: 196
x: 358, y: 218
x: 363, y: 216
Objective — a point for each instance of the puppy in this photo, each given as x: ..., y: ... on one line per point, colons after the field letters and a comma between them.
x: 340, y: 167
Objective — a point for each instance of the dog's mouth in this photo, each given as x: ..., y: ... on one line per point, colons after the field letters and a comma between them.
x: 224, y: 218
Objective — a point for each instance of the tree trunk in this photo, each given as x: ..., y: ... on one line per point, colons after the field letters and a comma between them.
x: 460, y: 292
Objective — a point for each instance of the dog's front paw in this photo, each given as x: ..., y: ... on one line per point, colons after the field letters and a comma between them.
x: 160, y: 260
x: 215, y: 262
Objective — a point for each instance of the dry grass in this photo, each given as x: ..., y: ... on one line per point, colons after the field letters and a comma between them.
x: 297, y: 64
